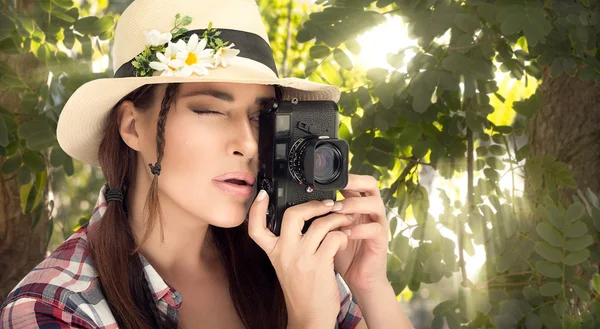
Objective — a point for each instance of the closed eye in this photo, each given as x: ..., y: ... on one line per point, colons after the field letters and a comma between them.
x: 199, y: 112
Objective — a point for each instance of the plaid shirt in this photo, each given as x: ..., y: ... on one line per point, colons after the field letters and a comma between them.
x: 63, y: 291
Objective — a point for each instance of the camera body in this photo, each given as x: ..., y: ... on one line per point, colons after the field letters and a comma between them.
x: 301, y: 158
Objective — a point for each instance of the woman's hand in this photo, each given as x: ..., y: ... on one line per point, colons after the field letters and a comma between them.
x: 363, y: 263
x: 303, y: 263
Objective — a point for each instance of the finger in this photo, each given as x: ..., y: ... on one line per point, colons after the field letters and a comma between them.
x: 363, y: 184
x: 369, y: 205
x: 350, y: 194
x: 334, y: 241
x: 257, y: 223
x: 319, y: 229
x: 370, y: 231
x: 295, y: 216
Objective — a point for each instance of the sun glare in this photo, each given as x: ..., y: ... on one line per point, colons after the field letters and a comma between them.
x: 386, y: 38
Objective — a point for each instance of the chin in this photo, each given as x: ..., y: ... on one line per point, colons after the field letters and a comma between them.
x: 229, y: 220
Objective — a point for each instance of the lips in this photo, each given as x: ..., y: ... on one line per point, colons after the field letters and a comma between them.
x: 237, y: 183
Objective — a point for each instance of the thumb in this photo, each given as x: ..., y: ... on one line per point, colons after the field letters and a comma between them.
x: 257, y: 223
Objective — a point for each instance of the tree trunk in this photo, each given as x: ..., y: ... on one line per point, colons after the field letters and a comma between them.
x: 568, y: 127
x: 21, y: 247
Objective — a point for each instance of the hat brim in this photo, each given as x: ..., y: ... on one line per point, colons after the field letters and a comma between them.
x: 81, y: 124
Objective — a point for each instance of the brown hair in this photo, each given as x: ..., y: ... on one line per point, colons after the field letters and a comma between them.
x: 253, y: 284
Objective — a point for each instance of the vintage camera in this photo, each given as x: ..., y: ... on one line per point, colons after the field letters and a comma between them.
x: 301, y: 158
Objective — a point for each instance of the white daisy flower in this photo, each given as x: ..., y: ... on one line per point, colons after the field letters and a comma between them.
x: 155, y: 38
x: 224, y: 54
x: 195, y: 57
x: 169, y: 63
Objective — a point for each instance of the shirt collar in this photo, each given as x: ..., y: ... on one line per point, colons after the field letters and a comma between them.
x: 161, y: 290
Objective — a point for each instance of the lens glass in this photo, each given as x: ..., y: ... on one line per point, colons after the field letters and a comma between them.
x: 328, y: 162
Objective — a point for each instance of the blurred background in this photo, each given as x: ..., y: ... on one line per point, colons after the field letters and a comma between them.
x: 479, y: 118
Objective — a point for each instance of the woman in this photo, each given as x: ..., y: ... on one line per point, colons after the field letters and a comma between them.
x: 191, y: 249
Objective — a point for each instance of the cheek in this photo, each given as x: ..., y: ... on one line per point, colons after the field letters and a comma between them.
x: 191, y: 146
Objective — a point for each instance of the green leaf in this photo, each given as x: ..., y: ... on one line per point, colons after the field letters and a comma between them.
x: 3, y: 132
x: 548, y: 252
x: 28, y: 195
x: 577, y: 257
x: 533, y: 321
x: 342, y: 59
x: 505, y: 321
x: 596, y: 282
x: 311, y: 66
x: 353, y: 46
x: 383, y: 144
x: 506, y: 261
x: 584, y: 295
x: 379, y: 158
x: 555, y: 217
x: 453, y: 320
x: 550, y: 234
x: 467, y: 22
x: 495, y: 163
x: 491, y: 174
x: 577, y: 230
x: 377, y: 74
x: 385, y: 95
x: 575, y: 211
x: 420, y: 149
x: 588, y: 321
x: 497, y: 150
x: 549, y: 317
x: 548, y: 269
x: 7, y: 25
x: 579, y: 243
x: 528, y: 106
x: 103, y: 24
x: 24, y: 175
x: 64, y: 3
x: 11, y: 164
x: 86, y: 25
x: 319, y: 51
x: 550, y: 289
x: 523, y: 152
x: 34, y: 160
x: 65, y: 17
x: 481, y: 151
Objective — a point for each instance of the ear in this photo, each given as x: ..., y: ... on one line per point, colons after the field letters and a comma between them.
x: 129, y: 121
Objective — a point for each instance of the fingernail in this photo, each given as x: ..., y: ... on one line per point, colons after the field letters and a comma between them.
x: 328, y: 202
x: 337, y: 206
x: 347, y: 232
x: 350, y: 217
x: 261, y: 195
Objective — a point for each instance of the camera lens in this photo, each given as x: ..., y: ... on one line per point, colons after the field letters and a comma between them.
x: 328, y: 163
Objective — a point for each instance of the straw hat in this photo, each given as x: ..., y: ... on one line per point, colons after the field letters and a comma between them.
x: 245, y: 58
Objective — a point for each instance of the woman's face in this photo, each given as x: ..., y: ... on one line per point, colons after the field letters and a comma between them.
x: 202, y: 146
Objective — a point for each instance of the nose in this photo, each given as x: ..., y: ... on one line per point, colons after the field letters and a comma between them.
x: 244, y: 140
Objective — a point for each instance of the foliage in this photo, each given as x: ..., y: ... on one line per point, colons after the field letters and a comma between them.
x: 64, y: 41
x: 434, y: 110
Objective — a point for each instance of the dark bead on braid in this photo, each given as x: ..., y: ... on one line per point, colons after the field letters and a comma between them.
x: 155, y: 169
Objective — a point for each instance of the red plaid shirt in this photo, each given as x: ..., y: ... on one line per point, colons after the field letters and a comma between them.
x: 63, y: 291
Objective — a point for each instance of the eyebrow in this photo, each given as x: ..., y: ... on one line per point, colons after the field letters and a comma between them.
x: 221, y: 95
